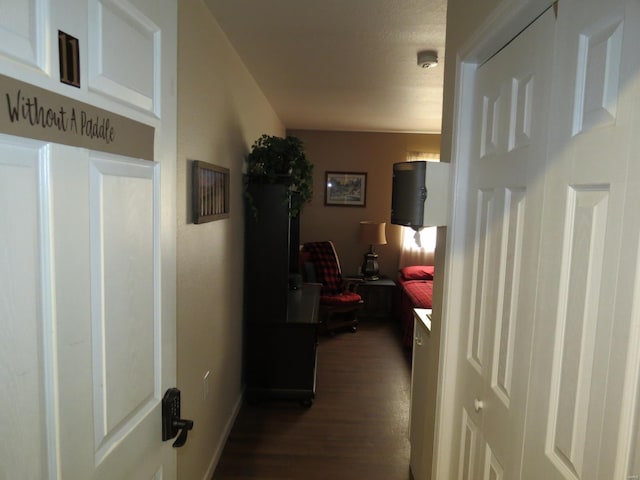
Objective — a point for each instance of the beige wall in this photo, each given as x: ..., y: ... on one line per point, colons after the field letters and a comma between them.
x: 375, y: 154
x: 221, y: 111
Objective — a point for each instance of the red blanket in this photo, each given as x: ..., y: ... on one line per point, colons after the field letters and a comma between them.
x: 411, y: 294
x: 419, y: 292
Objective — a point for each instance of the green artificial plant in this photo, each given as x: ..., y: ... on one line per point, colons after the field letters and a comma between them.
x: 281, y: 160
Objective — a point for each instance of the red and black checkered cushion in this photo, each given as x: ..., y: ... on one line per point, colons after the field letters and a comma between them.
x: 325, y: 260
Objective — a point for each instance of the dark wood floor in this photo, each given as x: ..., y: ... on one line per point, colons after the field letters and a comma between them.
x: 356, y: 429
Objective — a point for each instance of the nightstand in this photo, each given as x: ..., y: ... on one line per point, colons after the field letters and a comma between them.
x: 378, y: 298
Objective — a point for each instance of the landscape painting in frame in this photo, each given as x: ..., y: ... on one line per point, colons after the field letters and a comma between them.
x: 346, y: 189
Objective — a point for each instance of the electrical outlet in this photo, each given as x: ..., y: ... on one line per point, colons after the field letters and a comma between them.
x: 205, y: 385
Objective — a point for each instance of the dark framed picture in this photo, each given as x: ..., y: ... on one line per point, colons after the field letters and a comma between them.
x: 345, y: 189
x: 210, y: 192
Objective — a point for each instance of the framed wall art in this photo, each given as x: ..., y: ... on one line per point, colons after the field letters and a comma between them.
x: 345, y: 189
x: 210, y: 190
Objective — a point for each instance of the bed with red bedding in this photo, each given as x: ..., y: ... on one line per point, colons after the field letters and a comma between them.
x: 414, y: 290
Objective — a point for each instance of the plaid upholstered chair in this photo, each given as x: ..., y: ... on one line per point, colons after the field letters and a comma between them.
x: 339, y: 303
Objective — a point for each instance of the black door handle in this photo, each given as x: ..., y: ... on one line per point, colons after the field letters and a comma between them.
x: 172, y: 424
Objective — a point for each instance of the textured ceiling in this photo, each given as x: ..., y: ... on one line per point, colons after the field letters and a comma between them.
x: 342, y: 64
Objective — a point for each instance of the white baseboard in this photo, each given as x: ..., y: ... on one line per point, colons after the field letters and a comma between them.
x: 227, y: 430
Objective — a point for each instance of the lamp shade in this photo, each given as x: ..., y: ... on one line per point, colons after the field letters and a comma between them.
x: 372, y: 233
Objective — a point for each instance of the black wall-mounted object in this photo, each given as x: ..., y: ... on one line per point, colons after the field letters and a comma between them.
x: 419, y: 194
x: 408, y: 193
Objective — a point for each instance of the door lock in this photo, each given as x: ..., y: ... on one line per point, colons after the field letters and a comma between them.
x: 172, y: 424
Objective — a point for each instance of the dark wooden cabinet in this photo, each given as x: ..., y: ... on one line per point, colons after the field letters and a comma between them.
x: 281, y: 314
x: 267, y: 254
x: 281, y: 356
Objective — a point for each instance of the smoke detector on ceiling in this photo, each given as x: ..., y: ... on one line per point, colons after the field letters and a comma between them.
x: 427, y: 58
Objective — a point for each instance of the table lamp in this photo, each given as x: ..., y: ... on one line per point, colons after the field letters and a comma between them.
x: 371, y: 233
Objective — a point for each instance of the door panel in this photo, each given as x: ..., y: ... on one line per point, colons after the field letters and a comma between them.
x: 482, y: 272
x: 124, y: 54
x: 22, y: 32
x: 510, y: 268
x: 492, y: 468
x: 27, y: 413
x: 580, y: 378
x: 125, y: 328
x: 505, y: 195
x: 467, y: 463
x: 573, y: 368
x: 104, y: 219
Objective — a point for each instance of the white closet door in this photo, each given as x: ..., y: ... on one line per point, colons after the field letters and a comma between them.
x: 504, y: 201
x: 585, y: 366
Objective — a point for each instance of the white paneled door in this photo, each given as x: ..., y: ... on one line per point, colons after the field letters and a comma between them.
x: 504, y: 204
x: 584, y: 377
x: 549, y: 355
x: 87, y: 252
